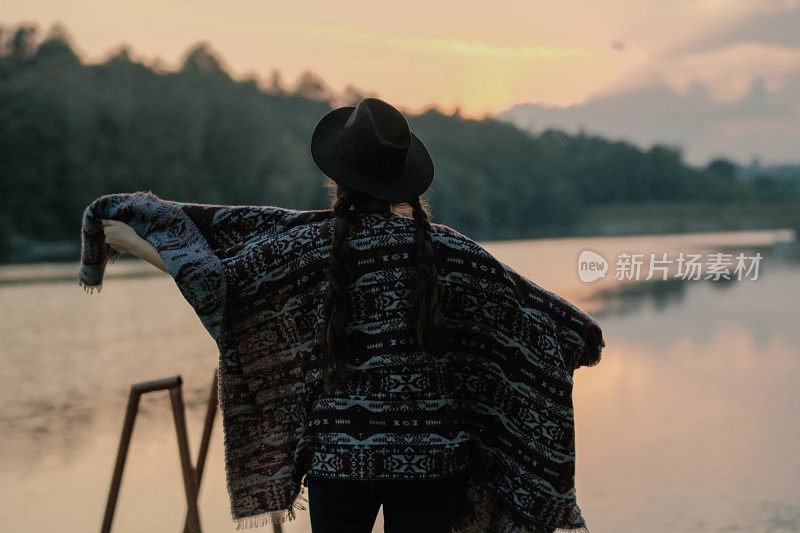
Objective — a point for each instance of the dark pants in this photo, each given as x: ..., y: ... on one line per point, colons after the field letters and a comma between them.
x: 350, y: 506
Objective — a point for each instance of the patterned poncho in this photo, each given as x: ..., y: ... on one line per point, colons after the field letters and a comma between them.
x: 499, y: 406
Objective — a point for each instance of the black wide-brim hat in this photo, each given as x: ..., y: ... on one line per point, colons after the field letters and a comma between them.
x: 370, y: 148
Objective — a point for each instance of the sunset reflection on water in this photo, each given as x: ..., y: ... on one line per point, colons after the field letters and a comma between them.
x: 689, y: 422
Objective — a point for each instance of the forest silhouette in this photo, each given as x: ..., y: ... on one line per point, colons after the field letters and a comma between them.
x: 72, y: 131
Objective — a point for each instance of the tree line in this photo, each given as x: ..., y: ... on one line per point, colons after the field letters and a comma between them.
x: 72, y: 131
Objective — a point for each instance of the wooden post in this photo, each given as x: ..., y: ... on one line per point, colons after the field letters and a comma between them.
x: 173, y: 384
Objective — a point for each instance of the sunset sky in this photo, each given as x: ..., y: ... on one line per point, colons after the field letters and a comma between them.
x: 482, y: 56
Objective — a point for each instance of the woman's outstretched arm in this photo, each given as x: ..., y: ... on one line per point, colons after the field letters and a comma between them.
x: 143, y: 249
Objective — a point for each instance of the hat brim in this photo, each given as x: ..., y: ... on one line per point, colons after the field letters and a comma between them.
x: 415, y: 179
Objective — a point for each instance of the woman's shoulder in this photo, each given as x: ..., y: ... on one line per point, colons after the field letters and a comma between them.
x: 449, y: 237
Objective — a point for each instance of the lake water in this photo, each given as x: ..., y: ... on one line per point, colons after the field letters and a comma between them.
x: 689, y: 423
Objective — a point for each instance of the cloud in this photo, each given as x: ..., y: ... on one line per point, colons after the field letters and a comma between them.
x: 777, y: 27
x: 728, y: 71
x: 725, y: 82
x: 761, y: 123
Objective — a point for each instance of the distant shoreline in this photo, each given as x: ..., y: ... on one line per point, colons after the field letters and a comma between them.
x: 629, y: 219
x: 655, y: 218
x: 128, y: 266
x: 662, y: 218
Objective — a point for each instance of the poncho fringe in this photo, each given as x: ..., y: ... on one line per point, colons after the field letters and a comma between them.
x: 273, y: 517
x: 255, y: 276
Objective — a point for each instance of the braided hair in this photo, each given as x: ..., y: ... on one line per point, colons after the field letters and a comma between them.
x: 424, y: 297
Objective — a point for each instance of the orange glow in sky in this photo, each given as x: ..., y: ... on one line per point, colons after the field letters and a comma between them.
x: 477, y: 55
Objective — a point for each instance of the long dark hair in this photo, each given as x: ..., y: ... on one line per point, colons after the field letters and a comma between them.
x: 424, y: 298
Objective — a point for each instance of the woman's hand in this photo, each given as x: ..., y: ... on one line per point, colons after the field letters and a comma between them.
x: 120, y: 236
x: 124, y: 238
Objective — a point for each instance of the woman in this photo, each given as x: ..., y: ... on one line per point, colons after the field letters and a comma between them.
x: 378, y: 358
x: 351, y: 506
